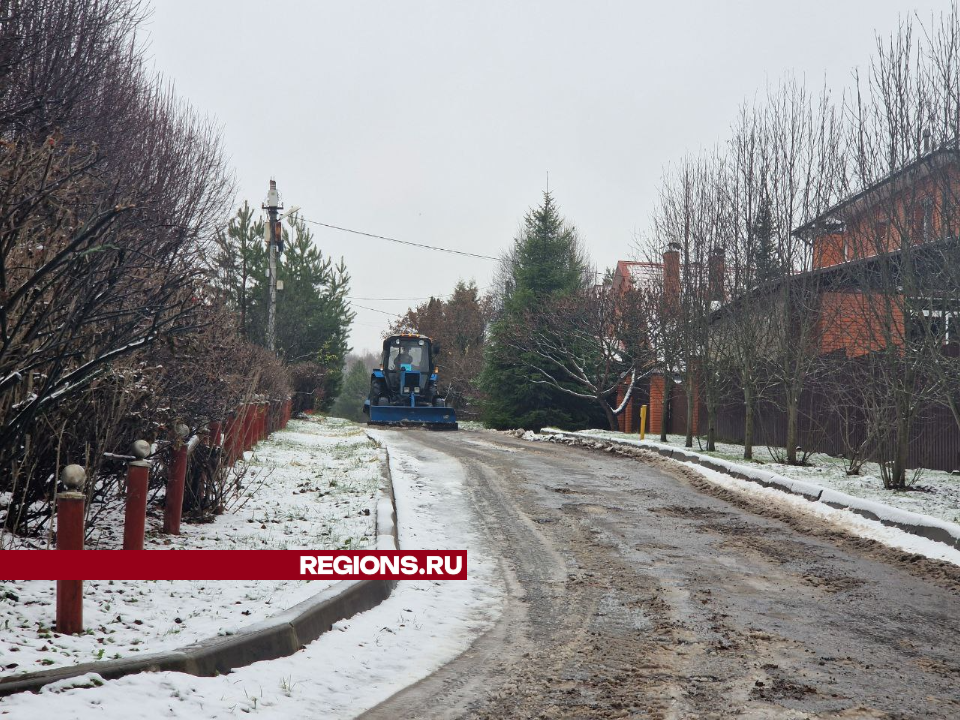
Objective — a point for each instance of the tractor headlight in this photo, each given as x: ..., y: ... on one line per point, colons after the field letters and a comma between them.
x: 417, y: 389
x: 406, y: 389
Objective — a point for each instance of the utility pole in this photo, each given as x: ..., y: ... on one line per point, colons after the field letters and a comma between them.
x: 272, y: 205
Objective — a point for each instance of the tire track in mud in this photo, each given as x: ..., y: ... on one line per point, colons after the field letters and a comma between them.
x: 637, y: 589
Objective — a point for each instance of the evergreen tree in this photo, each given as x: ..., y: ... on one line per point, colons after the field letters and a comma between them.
x: 547, y: 259
x: 313, y: 317
x: 356, y: 387
x: 239, y: 265
x: 546, y: 264
x: 763, y: 241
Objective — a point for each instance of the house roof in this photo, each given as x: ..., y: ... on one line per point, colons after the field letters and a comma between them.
x: 642, y: 275
x: 928, y: 259
x: 867, y: 198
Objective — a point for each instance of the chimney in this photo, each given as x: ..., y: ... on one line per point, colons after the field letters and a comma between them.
x: 671, y: 276
x: 716, y: 273
x: 926, y: 140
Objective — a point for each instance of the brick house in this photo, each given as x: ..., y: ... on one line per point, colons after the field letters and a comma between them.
x: 650, y: 277
x: 906, y: 220
x: 857, y: 249
x: 643, y: 277
x: 885, y: 274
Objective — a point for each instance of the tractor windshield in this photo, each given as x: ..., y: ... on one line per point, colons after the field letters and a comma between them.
x: 414, y: 353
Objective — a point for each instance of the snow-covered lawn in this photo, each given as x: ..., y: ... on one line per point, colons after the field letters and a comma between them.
x: 311, y: 486
x: 367, y: 658
x: 937, y: 493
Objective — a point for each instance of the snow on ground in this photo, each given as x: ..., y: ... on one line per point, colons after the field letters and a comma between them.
x: 420, y: 627
x: 937, y: 493
x: 312, y: 486
x: 842, y: 519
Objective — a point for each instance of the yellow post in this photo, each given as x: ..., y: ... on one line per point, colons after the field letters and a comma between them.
x: 643, y: 421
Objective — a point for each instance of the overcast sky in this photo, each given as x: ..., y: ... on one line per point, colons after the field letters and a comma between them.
x: 437, y: 122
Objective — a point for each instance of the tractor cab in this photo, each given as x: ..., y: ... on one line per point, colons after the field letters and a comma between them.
x: 406, y: 365
x: 404, y: 390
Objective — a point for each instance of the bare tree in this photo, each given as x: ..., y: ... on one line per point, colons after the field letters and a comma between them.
x: 902, y: 139
x: 803, y: 157
x: 659, y: 298
x: 681, y: 297
x: 458, y: 324
x: 745, y: 332
x: 587, y: 345
x: 109, y: 188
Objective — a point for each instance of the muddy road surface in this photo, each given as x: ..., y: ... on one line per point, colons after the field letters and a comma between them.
x: 637, y: 591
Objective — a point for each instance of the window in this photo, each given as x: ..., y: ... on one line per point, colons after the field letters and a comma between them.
x: 413, y: 353
x: 942, y: 325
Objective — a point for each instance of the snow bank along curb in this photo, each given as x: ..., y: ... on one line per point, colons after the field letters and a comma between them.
x: 387, y: 538
x: 278, y: 636
x: 921, y: 525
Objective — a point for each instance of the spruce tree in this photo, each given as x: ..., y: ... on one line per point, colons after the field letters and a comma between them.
x: 763, y: 231
x: 547, y: 263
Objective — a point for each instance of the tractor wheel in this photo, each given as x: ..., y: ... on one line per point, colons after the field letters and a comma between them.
x: 383, y: 400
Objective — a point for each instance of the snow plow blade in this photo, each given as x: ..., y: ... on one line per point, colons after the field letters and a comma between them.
x: 434, y: 418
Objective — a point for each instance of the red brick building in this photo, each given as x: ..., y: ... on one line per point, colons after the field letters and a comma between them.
x: 644, y: 277
x: 907, y: 217
x: 910, y: 214
x: 654, y: 279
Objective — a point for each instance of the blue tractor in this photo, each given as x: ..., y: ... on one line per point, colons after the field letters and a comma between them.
x: 404, y: 390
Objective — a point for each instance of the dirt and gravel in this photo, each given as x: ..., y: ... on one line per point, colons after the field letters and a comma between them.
x: 636, y: 589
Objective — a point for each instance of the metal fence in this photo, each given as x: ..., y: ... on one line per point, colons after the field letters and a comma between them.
x: 826, y: 426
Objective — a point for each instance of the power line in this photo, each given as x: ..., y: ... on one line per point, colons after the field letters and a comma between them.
x: 382, y: 312
x: 379, y: 326
x: 402, y: 242
x: 411, y: 299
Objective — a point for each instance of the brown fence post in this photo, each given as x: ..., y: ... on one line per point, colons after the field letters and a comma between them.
x: 231, y: 437
x: 241, y: 431
x: 135, y: 516
x: 70, y: 532
x: 176, y: 478
x: 215, y: 434
x: 247, y: 426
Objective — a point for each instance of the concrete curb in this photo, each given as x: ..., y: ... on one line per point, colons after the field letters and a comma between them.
x: 275, y: 637
x: 917, y: 524
x: 387, y: 536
